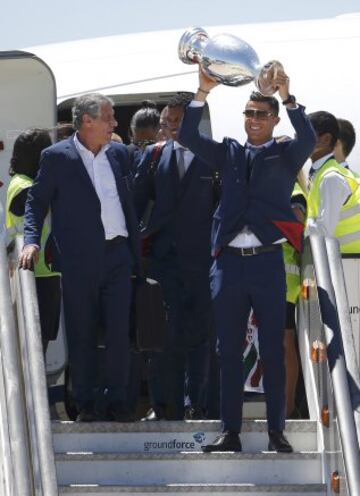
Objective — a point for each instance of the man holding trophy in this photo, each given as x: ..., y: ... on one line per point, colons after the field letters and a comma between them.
x: 253, y: 219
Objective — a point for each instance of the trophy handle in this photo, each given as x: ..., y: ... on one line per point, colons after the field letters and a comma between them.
x: 191, y: 45
x: 264, y: 80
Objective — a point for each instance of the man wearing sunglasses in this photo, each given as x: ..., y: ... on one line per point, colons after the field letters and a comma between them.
x: 253, y: 218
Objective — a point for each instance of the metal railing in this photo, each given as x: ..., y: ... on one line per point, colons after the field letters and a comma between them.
x: 29, y: 470
x: 33, y: 366
x: 324, y: 325
x: 16, y: 466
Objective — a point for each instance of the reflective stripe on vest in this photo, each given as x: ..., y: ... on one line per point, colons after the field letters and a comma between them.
x: 292, y: 269
x: 348, y: 238
x: 350, y: 212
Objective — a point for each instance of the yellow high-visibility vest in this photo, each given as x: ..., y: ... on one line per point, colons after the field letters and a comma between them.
x: 15, y: 224
x: 292, y: 262
x: 347, y: 230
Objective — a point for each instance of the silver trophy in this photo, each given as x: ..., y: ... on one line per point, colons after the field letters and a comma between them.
x: 227, y: 60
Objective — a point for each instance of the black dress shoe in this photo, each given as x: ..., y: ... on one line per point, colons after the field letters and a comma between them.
x: 116, y: 412
x: 279, y: 443
x: 87, y: 413
x: 228, y: 441
x: 155, y: 414
x: 194, y: 413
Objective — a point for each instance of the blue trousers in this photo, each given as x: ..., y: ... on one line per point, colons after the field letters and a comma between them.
x: 91, y: 297
x: 182, y: 369
x: 237, y: 284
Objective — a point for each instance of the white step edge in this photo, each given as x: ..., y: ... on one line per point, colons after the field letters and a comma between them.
x: 190, y: 468
x: 62, y: 427
x: 195, y: 489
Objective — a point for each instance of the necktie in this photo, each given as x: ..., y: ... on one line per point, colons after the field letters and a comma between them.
x: 181, y: 162
x: 251, y: 153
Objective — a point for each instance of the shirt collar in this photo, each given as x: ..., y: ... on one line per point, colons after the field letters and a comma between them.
x: 257, y: 147
x: 345, y: 164
x: 177, y: 146
x: 321, y: 161
x: 81, y: 148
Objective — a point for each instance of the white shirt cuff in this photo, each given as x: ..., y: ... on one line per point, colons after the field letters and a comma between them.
x: 196, y: 103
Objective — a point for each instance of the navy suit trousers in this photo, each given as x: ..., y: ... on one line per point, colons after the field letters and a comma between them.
x: 237, y: 284
x: 182, y: 369
x: 92, y: 298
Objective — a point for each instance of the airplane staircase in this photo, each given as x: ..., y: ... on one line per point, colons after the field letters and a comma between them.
x: 103, y: 459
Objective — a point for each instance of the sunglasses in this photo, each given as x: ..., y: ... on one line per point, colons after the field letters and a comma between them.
x: 257, y: 114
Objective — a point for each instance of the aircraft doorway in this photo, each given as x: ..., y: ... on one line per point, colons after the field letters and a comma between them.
x: 126, y: 106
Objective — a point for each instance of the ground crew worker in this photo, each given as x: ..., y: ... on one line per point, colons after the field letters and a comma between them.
x: 292, y: 271
x: 24, y: 166
x: 334, y: 195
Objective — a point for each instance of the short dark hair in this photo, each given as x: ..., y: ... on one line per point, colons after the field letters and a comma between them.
x: 324, y: 122
x: 256, y: 96
x: 64, y: 130
x: 27, y: 150
x: 347, y: 135
x: 181, y: 99
x: 147, y: 116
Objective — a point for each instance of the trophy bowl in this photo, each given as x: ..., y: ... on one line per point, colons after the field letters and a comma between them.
x: 227, y: 59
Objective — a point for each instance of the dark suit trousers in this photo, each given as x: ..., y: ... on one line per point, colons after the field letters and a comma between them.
x: 237, y: 284
x: 182, y: 370
x: 92, y: 297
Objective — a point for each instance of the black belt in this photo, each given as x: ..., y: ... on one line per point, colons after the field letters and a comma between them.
x: 248, y: 252
x: 115, y: 241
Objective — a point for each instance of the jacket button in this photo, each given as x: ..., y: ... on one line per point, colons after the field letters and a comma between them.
x: 237, y: 180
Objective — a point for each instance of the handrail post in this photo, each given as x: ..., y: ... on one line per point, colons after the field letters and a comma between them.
x: 337, y: 365
x: 19, y: 436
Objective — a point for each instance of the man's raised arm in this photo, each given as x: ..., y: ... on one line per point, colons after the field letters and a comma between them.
x: 207, y: 149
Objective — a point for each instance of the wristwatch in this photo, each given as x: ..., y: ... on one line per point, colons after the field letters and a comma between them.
x: 290, y: 99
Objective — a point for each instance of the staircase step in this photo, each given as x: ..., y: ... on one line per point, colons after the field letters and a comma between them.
x: 163, y: 437
x: 188, y: 467
x: 196, y: 489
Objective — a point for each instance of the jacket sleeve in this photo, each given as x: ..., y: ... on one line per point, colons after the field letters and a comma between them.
x: 299, y: 149
x: 142, y: 186
x: 39, y: 199
x: 210, y: 151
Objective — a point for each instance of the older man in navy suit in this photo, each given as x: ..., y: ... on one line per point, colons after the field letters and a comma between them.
x: 253, y: 218
x: 179, y: 227
x: 85, y: 182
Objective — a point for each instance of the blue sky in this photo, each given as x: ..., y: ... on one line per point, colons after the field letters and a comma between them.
x: 27, y: 23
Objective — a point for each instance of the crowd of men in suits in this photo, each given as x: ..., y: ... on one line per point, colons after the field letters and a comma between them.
x: 214, y: 217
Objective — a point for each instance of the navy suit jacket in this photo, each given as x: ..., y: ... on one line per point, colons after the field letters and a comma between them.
x: 63, y: 185
x: 263, y: 202
x: 183, y: 210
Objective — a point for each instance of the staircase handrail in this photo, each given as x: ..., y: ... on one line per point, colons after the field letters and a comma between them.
x: 19, y: 467
x: 336, y: 361
x: 35, y: 379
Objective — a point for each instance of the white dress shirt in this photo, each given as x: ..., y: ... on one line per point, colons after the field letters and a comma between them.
x: 102, y: 177
x: 334, y: 191
x: 188, y: 155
